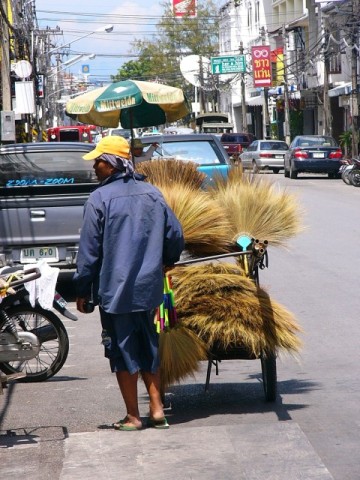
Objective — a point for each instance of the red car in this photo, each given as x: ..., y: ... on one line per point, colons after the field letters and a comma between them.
x: 236, y: 143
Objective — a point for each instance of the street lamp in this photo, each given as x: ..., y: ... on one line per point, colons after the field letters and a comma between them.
x: 59, y: 68
x: 70, y: 63
x: 107, y: 29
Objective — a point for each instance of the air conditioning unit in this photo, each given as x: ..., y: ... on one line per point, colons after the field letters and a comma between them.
x: 7, y: 126
x: 344, y: 101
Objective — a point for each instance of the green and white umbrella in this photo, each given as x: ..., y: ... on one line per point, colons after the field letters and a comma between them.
x: 131, y: 103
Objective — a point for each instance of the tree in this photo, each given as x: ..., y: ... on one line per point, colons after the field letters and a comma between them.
x: 132, y: 69
x: 159, y: 58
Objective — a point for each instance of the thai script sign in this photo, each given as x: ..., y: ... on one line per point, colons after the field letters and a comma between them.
x: 234, y: 64
x: 182, y: 8
x: 261, y: 62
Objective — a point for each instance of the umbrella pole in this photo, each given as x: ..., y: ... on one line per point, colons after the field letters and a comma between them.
x: 131, y: 132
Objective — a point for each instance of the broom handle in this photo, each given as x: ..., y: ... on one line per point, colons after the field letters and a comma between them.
x: 213, y: 257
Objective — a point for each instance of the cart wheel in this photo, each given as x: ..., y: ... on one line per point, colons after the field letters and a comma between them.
x: 268, y: 368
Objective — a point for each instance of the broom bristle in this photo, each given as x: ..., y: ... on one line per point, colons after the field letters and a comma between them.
x: 259, y: 209
x: 170, y: 171
x: 180, y: 351
x: 206, y: 229
x: 222, y: 306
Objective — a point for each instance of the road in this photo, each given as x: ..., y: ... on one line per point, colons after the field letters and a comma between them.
x: 319, y: 392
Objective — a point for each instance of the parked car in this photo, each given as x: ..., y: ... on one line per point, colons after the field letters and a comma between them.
x: 313, y: 154
x: 43, y: 187
x: 203, y: 148
x: 265, y: 154
x: 236, y: 143
x: 120, y: 132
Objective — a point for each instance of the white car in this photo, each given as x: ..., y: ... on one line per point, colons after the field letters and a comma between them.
x: 265, y: 154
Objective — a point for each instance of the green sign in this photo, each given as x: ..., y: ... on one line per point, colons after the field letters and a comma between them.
x: 223, y: 65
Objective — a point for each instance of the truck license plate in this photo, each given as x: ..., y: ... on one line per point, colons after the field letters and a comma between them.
x: 33, y: 254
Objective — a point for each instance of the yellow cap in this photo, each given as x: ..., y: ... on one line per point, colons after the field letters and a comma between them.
x: 112, y: 144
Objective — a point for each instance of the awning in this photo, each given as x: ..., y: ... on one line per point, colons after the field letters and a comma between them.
x: 255, y: 101
x: 344, y: 89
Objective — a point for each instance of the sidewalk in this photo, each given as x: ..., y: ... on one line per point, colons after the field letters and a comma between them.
x: 247, y: 452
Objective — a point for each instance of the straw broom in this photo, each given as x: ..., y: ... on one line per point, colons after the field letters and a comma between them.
x: 224, y: 307
x: 206, y: 228
x: 180, y: 349
x: 258, y: 208
x: 170, y: 171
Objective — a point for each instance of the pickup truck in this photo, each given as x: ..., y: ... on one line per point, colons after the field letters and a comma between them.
x: 43, y: 188
x: 236, y: 143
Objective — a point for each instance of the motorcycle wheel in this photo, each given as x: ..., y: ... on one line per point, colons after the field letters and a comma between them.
x: 53, y: 338
x: 354, y: 177
x: 345, y: 176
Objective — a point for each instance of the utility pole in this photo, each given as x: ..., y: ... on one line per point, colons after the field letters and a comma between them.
x: 286, y: 90
x: 266, y: 119
x: 354, y: 78
x: 327, y: 129
x: 242, y: 91
x: 5, y: 58
x: 203, y: 108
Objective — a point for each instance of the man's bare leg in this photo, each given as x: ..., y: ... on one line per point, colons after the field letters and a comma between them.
x: 128, y: 388
x: 152, y: 383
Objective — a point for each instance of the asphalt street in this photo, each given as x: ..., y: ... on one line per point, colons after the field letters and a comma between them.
x: 61, y: 429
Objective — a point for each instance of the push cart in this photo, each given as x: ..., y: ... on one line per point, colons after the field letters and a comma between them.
x: 253, y: 257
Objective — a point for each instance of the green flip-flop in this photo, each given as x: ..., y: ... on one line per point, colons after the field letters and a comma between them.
x: 117, y: 424
x: 128, y: 428
x: 161, y: 423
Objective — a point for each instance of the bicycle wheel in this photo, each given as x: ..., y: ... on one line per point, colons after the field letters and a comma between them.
x: 52, y: 336
x: 269, y: 375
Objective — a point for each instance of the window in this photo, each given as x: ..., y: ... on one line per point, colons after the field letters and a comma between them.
x: 257, y: 12
x: 249, y: 17
x: 201, y: 152
x: 39, y: 169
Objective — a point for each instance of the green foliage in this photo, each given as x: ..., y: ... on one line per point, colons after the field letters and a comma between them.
x: 296, y: 122
x: 159, y: 57
x: 132, y: 69
x: 345, y: 140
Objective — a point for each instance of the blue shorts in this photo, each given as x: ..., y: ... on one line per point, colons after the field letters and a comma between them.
x: 130, y: 340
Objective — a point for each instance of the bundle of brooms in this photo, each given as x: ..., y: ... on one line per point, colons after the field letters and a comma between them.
x: 226, y: 308
x: 206, y: 228
x: 217, y: 303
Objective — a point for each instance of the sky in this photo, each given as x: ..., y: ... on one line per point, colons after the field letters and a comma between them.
x: 77, y: 18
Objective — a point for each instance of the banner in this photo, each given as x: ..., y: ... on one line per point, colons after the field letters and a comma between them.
x: 277, y: 67
x: 261, y: 62
x: 183, y: 8
x: 24, y: 94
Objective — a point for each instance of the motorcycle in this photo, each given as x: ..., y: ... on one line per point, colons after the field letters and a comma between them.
x: 345, y: 169
x: 354, y: 174
x: 34, y: 344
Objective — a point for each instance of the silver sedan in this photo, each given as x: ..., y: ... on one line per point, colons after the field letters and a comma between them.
x: 264, y: 154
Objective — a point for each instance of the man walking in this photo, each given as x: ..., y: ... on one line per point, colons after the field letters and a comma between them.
x: 129, y: 235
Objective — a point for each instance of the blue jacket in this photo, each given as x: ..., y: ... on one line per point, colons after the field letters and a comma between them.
x: 129, y: 233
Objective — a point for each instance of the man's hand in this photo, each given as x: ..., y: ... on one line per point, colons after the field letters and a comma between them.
x: 80, y: 302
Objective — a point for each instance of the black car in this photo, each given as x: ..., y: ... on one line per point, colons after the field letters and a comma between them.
x: 313, y: 154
